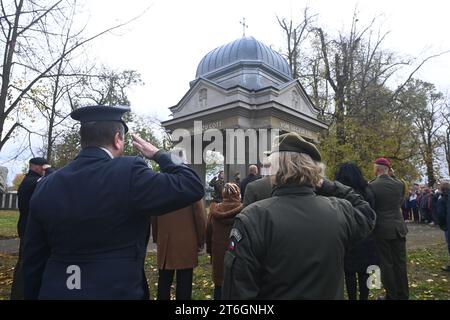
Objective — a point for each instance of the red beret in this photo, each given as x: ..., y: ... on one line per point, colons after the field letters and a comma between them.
x: 383, y: 162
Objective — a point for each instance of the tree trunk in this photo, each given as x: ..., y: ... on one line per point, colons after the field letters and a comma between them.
x: 340, y: 128
x: 429, y: 165
x: 10, y: 47
x: 447, y: 148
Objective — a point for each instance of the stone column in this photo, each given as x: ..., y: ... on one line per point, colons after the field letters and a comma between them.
x: 199, y: 168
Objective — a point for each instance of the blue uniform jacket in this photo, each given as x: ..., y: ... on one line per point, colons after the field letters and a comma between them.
x: 88, y: 224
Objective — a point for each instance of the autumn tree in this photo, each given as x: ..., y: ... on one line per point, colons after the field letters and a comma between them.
x: 427, y: 106
x: 445, y: 137
x: 36, y: 42
x: 349, y: 77
x: 17, y: 181
x: 104, y: 87
x: 296, y: 34
x: 65, y: 148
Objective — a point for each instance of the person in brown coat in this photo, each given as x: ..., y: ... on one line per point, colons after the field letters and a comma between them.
x: 179, y: 236
x: 220, y: 222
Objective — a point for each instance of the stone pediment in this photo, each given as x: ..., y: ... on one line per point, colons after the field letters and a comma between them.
x: 294, y: 96
x: 202, y: 95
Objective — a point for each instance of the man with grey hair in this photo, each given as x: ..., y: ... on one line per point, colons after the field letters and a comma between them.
x: 390, y: 230
x: 292, y: 245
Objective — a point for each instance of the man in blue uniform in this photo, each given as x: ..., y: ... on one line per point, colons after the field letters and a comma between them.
x: 89, y: 241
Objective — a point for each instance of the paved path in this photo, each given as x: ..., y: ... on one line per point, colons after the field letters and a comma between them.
x: 9, y: 246
x: 419, y: 236
x: 12, y: 246
x: 423, y: 235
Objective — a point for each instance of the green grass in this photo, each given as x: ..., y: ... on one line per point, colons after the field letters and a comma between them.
x: 7, y: 263
x: 8, y: 224
x: 202, y: 286
x: 426, y: 280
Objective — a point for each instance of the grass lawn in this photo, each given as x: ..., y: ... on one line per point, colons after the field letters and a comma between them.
x: 8, y: 224
x: 426, y: 280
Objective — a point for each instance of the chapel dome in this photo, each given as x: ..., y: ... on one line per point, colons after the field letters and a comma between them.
x: 246, y: 50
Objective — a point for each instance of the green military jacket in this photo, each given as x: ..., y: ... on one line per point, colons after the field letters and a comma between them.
x: 389, y: 194
x: 292, y: 245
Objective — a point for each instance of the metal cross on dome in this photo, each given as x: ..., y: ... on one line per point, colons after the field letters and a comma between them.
x: 243, y: 26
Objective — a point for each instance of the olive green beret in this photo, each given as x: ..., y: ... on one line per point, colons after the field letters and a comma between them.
x: 293, y: 142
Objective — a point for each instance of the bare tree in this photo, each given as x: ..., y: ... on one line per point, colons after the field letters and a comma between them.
x: 427, y: 105
x: 347, y: 77
x: 14, y: 32
x: 105, y: 86
x: 445, y: 137
x: 27, y: 25
x: 295, y: 35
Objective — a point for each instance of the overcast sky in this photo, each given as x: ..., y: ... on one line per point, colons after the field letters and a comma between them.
x: 169, y: 41
x: 166, y: 44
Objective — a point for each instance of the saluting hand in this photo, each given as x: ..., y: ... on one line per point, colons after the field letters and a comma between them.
x: 146, y: 148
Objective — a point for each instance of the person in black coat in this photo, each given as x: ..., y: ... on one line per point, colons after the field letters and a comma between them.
x: 252, y: 176
x: 87, y: 232
x: 360, y: 255
x: 24, y: 193
x: 217, y: 183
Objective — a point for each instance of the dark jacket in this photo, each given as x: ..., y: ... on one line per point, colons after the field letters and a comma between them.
x: 248, y: 179
x: 24, y: 194
x: 363, y: 253
x: 258, y: 190
x: 426, y: 201
x: 94, y: 215
x: 217, y: 184
x: 443, y: 211
x: 388, y: 200
x: 292, y: 245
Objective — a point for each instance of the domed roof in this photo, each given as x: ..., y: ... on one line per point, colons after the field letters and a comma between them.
x: 244, y: 49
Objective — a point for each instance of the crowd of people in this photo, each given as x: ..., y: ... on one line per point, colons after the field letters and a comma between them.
x: 420, y: 205
x: 289, y: 233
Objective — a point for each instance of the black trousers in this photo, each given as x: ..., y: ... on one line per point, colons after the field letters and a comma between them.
x: 355, y: 280
x: 217, y: 293
x: 184, y: 284
x: 394, y: 276
x: 416, y: 214
x: 17, y: 288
